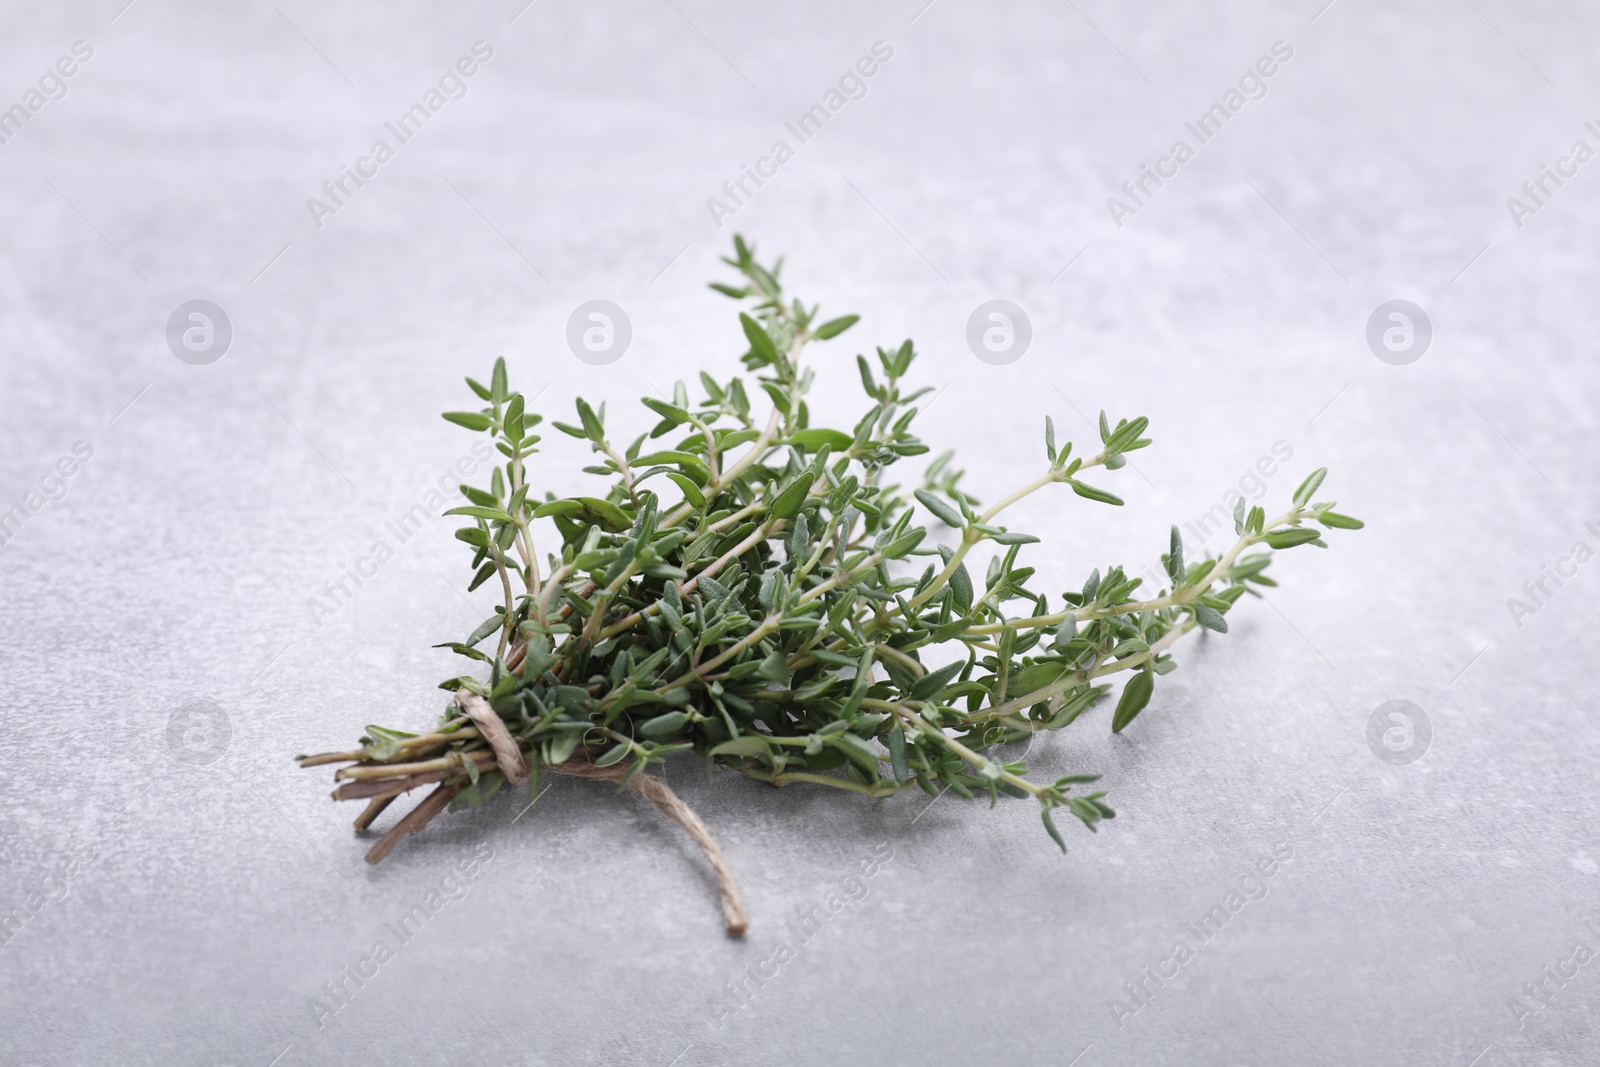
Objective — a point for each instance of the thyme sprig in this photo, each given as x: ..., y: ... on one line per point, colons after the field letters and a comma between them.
x: 751, y: 589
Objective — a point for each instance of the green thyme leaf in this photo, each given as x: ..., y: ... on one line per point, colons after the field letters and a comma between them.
x: 1089, y: 492
x: 941, y: 510
x: 1289, y: 538
x: 1302, y: 495
x: 835, y: 327
x: 470, y: 419
x: 1135, y: 695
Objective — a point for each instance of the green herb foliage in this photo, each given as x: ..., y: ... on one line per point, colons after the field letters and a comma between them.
x: 750, y: 588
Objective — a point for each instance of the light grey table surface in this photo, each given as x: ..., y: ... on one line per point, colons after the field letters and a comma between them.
x: 172, y: 895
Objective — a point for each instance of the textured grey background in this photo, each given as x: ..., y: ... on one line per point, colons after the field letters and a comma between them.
x: 218, y: 898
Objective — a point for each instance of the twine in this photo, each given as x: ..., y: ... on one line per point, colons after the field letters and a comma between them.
x: 653, y: 789
x: 493, y: 729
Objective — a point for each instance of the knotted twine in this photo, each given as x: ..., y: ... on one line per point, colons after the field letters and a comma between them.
x: 515, y: 768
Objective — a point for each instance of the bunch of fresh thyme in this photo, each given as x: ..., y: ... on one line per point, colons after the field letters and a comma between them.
x: 740, y: 592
